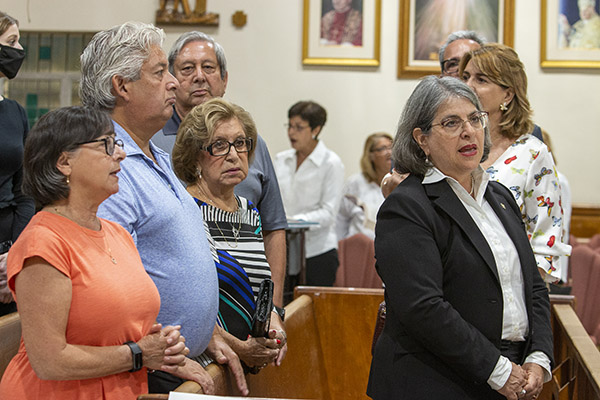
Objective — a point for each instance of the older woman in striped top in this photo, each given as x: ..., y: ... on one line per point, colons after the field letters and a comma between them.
x: 214, y: 144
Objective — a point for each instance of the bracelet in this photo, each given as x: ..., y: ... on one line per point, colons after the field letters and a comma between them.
x: 137, y: 356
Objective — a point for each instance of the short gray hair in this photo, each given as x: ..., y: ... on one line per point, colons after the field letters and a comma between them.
x: 460, y: 35
x: 119, y: 51
x: 196, y: 36
x: 420, y: 109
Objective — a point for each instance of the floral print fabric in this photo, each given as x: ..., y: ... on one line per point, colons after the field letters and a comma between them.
x: 527, y: 169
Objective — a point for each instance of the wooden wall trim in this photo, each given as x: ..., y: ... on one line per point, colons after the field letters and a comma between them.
x: 585, y: 220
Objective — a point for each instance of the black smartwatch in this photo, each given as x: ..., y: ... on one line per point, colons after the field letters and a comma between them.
x: 280, y: 311
x: 137, y: 356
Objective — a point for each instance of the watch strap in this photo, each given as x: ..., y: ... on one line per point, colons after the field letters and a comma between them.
x: 280, y: 311
x: 136, y: 355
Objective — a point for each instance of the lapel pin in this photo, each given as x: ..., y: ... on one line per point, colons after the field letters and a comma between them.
x: 503, y: 206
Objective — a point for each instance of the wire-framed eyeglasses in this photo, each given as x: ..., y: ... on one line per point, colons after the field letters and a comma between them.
x: 222, y: 147
x: 453, y: 126
x: 450, y: 66
x: 109, y: 144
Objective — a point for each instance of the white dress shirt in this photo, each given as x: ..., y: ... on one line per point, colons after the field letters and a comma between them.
x: 359, y: 206
x: 312, y: 193
x: 515, y: 323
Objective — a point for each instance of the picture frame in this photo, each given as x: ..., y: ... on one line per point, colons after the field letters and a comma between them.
x: 431, y: 21
x: 567, y: 46
x: 355, y: 43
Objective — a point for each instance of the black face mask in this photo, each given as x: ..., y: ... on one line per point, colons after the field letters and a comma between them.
x: 10, y: 60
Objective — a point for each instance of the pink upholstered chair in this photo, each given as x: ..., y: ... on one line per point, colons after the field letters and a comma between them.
x: 585, y: 272
x: 595, y: 241
x: 357, y: 263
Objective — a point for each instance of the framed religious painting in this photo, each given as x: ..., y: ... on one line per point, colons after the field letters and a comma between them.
x: 570, y: 34
x: 341, y: 32
x: 424, y: 26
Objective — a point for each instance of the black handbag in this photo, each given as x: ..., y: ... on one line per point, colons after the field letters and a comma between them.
x: 264, y: 305
x: 379, y: 324
x: 261, y: 321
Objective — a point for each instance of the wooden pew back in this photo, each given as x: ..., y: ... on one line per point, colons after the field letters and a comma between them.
x: 302, y: 375
x: 345, y: 319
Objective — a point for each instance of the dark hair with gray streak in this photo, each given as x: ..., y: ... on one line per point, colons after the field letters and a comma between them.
x: 196, y: 36
x: 420, y: 110
x: 118, y: 51
x: 54, y: 133
x: 460, y: 35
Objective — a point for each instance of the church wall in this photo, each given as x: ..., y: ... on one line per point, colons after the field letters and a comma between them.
x: 267, y: 76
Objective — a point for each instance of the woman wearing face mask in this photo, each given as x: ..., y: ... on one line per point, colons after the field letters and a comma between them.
x: 16, y: 209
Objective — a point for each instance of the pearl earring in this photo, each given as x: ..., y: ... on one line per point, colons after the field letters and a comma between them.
x: 199, y: 173
x: 68, y: 180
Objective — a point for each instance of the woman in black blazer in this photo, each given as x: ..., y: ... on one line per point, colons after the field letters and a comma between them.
x: 468, y: 315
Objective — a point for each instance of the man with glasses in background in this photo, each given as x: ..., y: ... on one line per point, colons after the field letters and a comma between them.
x: 198, y: 62
x: 458, y: 44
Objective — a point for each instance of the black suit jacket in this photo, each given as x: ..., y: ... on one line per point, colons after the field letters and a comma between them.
x: 444, y: 300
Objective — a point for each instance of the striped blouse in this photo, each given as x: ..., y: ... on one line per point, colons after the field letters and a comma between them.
x: 238, y: 250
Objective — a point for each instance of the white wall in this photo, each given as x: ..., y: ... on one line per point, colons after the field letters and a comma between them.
x: 267, y: 76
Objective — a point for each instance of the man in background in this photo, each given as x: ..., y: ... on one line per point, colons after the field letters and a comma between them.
x: 199, y: 64
x: 458, y: 44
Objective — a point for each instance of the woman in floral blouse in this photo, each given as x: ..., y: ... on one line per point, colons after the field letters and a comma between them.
x: 517, y: 159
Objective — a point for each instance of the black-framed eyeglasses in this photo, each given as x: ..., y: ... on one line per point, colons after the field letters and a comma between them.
x: 453, y: 126
x: 109, y: 144
x: 221, y: 147
x: 450, y: 65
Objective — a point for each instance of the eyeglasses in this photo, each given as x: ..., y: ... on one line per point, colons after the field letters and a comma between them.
x: 223, y: 147
x: 450, y: 66
x: 109, y: 144
x: 296, y: 128
x: 453, y: 126
x: 381, y: 149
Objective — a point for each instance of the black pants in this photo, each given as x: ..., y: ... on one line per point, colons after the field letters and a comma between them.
x: 321, y: 269
x: 162, y: 382
x: 6, y: 233
x: 514, y: 351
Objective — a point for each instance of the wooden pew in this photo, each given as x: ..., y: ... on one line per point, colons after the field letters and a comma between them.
x: 585, y: 220
x: 577, y: 374
x: 301, y: 375
x: 10, y: 336
x: 345, y: 319
x: 330, y: 332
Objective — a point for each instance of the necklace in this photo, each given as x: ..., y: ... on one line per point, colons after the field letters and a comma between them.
x: 234, y: 230
x: 109, y: 252
x: 236, y: 233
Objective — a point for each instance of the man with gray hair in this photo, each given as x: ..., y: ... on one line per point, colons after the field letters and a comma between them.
x: 198, y: 62
x: 124, y: 71
x: 458, y: 44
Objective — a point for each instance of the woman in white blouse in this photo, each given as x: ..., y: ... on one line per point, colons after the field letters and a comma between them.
x: 517, y: 159
x: 311, y: 178
x: 361, y: 196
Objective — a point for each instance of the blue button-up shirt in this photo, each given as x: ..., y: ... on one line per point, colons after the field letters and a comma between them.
x: 166, y: 225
